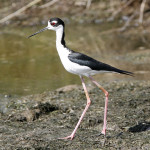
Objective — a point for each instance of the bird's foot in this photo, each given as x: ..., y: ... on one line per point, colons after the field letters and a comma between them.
x: 70, y: 137
x: 103, y: 131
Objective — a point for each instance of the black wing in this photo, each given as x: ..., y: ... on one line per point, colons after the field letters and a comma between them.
x: 85, y: 60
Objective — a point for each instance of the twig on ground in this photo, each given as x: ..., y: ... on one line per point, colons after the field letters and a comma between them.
x: 88, y: 4
x: 121, y: 8
x: 142, y: 11
x: 48, y: 4
x: 128, y: 21
x: 19, y: 11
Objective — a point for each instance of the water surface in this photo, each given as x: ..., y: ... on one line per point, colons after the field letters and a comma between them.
x: 32, y: 65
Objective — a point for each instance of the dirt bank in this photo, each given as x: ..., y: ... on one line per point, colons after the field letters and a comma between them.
x: 36, y: 121
x: 129, y: 13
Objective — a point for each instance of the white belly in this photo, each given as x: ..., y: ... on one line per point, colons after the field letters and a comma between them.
x: 75, y: 68
x: 78, y: 69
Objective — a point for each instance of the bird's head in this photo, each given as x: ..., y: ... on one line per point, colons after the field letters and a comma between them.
x: 53, y: 24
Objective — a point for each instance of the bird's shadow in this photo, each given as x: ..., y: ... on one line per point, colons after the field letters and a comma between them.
x: 140, y: 127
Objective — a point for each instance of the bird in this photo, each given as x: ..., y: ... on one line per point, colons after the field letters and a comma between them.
x: 82, y: 65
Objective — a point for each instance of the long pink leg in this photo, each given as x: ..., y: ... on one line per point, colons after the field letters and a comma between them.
x: 86, y: 108
x: 106, y: 103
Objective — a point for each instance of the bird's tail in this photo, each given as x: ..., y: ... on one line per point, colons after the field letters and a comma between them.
x: 124, y: 72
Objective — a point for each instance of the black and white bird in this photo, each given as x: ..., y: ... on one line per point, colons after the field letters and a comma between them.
x: 79, y: 64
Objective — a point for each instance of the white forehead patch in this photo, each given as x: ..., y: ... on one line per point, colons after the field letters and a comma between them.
x: 54, y: 21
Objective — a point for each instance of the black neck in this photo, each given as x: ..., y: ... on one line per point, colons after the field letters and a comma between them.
x: 60, y: 36
x: 63, y: 39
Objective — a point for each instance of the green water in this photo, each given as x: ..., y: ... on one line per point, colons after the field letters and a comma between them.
x: 29, y: 66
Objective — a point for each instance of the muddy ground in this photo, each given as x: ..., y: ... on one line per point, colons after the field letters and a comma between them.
x: 37, y: 121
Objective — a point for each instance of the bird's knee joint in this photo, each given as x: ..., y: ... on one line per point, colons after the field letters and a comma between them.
x: 88, y: 103
x: 106, y: 94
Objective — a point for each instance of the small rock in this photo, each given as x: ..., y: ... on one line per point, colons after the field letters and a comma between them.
x: 31, y: 115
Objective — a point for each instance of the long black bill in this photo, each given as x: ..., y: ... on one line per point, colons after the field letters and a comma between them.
x: 38, y: 32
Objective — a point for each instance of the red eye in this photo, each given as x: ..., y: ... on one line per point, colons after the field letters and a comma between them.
x: 53, y: 23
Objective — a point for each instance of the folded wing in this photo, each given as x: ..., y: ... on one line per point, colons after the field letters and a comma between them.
x: 85, y: 60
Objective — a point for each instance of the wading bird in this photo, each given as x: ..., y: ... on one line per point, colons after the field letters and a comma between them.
x: 79, y: 64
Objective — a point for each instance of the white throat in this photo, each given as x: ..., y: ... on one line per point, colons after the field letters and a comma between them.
x: 62, y: 50
x: 59, y: 36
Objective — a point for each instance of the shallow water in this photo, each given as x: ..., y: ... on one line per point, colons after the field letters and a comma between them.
x: 32, y: 65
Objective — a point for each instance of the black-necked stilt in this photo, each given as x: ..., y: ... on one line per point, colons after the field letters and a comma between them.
x: 79, y: 64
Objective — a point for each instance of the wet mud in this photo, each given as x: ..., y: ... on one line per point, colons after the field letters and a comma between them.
x: 37, y: 121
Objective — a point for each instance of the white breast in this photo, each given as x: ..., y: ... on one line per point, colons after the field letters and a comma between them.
x: 69, y: 65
